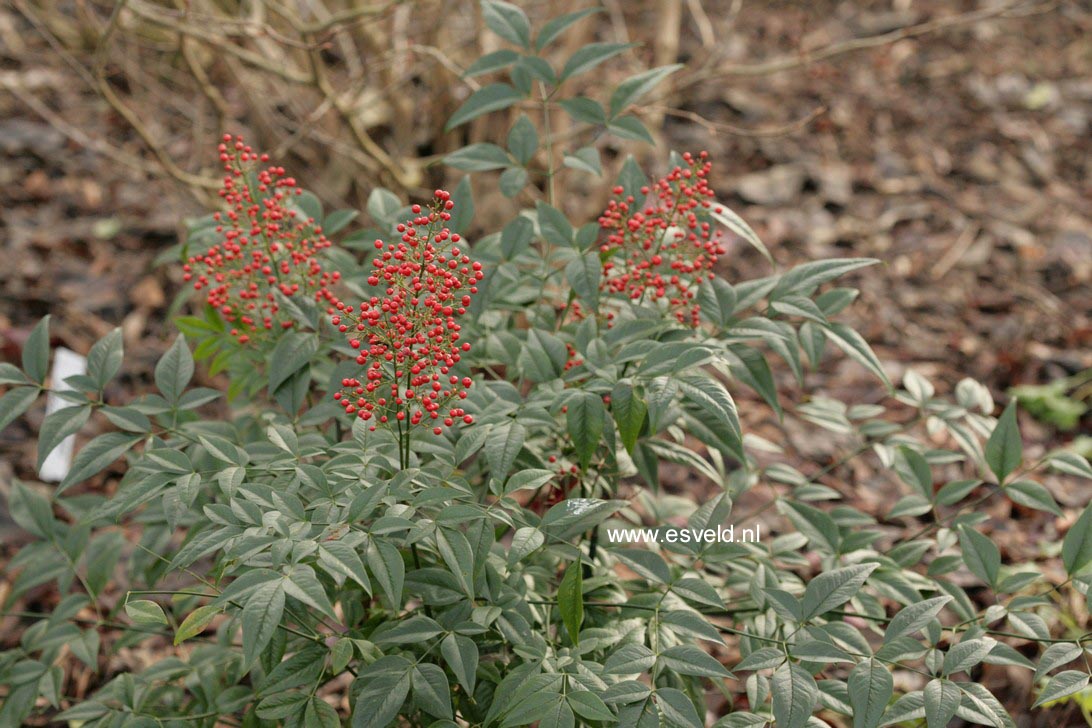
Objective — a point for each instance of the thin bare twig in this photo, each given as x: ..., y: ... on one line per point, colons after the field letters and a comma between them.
x: 55, y: 45
x: 55, y: 120
x: 804, y: 58
x: 398, y: 175
x: 716, y: 126
x: 204, y: 35
x: 111, y: 97
x: 244, y: 27
x: 445, y: 61
x: 104, y: 39
x: 701, y: 19
x: 338, y: 20
x: 98, y: 81
x: 207, y: 88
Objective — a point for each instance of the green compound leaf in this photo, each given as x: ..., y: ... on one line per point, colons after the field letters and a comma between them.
x: 794, y: 696
x: 261, y: 617
x: 1063, y: 684
x: 570, y: 600
x: 834, y: 588
x: 174, y: 370
x: 508, y: 21
x: 1077, y: 546
x: 195, y: 623
x: 585, y: 421
x: 1004, y: 450
x: 870, y: 688
x: 980, y: 554
x: 15, y: 402
x: 145, y: 611
x: 942, y: 698
x: 96, y: 455
x: 36, y: 352
x: 494, y: 97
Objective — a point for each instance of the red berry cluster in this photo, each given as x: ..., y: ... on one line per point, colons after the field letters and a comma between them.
x: 409, y: 336
x: 266, y: 247
x: 661, y: 250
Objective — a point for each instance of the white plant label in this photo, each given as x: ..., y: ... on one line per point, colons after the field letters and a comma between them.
x: 66, y: 363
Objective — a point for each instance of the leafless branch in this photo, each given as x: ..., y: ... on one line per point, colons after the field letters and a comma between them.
x: 804, y: 58
x: 715, y: 126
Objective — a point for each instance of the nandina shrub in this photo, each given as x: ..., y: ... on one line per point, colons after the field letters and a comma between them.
x: 404, y: 513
